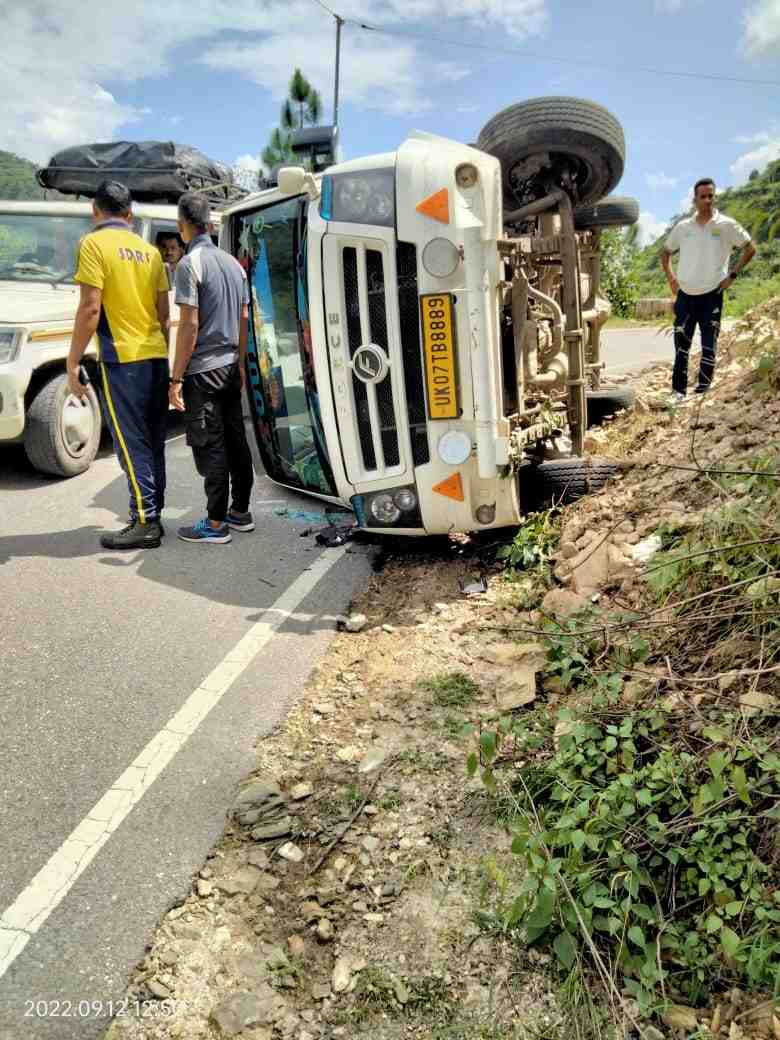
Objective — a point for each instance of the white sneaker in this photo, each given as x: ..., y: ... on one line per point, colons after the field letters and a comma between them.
x: 676, y: 399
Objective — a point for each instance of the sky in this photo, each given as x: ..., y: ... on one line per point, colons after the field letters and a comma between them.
x: 212, y: 73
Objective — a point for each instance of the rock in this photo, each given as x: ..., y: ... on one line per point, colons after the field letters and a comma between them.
x: 301, y: 791
x: 325, y: 931
x: 291, y: 852
x: 320, y: 991
x: 324, y: 707
x: 349, y: 753
x: 258, y: 858
x: 342, y: 974
x: 203, y: 888
x: 267, y: 883
x: 372, y: 760
x: 310, y: 911
x: 296, y: 946
x: 370, y: 843
x: 678, y: 1016
x: 258, y: 800
x: 389, y: 629
x: 159, y: 990
x: 754, y: 701
x: 242, y: 882
x: 269, y: 831
x: 563, y: 602
x: 238, y: 1011
x: 356, y: 623
x: 568, y: 550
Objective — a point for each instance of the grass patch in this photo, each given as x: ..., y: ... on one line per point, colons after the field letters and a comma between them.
x: 450, y: 689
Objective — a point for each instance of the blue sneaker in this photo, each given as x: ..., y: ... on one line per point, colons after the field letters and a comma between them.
x: 202, y: 531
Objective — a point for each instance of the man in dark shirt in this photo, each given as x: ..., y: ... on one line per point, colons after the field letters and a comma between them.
x: 209, y: 372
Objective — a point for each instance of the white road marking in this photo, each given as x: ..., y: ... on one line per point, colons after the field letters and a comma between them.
x: 54, y: 880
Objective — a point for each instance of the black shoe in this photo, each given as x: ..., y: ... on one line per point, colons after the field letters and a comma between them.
x: 135, y: 536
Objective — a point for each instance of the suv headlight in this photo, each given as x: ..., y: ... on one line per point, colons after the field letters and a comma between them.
x: 363, y: 197
x: 9, y: 344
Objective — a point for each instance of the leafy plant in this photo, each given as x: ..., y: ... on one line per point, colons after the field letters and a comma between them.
x: 534, y: 543
x: 651, y: 847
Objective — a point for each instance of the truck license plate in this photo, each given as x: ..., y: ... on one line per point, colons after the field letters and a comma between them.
x: 439, y: 347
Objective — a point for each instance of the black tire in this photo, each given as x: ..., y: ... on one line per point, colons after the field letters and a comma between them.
x: 45, y: 439
x: 560, y: 481
x: 580, y: 131
x: 608, y: 400
x: 613, y: 211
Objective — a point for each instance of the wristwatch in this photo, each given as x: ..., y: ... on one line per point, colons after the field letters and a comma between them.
x: 733, y: 274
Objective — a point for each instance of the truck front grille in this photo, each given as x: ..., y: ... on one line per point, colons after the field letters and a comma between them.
x: 411, y: 351
x: 354, y: 339
x: 381, y: 422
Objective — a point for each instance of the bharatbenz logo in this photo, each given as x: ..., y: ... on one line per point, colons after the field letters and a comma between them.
x: 369, y: 363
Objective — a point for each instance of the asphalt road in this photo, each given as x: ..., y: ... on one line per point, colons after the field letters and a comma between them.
x: 139, y: 680
x: 630, y: 350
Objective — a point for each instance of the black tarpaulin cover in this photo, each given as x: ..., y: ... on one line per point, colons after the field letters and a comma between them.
x: 154, y: 171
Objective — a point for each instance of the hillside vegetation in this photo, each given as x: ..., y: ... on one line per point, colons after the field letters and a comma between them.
x: 756, y: 205
x: 17, y: 178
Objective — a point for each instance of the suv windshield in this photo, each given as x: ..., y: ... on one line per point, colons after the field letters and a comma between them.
x: 40, y: 247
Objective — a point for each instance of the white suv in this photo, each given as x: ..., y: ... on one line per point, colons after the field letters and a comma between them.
x: 38, y: 300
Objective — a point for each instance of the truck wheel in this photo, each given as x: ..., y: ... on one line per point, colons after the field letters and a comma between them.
x: 61, y: 436
x: 607, y: 400
x: 559, y: 481
x: 575, y: 143
x: 613, y: 211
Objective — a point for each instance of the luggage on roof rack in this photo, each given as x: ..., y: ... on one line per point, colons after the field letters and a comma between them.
x: 154, y: 171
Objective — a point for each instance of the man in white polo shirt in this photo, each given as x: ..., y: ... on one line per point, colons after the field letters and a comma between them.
x: 705, y: 242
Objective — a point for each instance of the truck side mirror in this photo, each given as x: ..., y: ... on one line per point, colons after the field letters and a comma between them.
x: 292, y: 180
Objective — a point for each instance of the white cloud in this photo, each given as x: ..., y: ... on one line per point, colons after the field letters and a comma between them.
x: 756, y: 158
x: 762, y: 137
x: 761, y: 29
x: 245, y: 170
x: 668, y: 6
x: 650, y: 228
x: 660, y: 181
x: 56, y: 56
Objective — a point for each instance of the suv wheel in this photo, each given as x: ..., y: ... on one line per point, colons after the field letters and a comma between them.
x: 62, y: 435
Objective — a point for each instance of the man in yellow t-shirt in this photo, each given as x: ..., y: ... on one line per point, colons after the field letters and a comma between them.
x: 124, y: 299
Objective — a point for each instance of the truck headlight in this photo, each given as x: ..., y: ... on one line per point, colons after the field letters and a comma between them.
x: 387, y: 508
x: 363, y: 197
x: 9, y: 344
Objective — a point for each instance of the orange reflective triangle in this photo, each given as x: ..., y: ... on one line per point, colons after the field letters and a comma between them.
x: 452, y: 487
x: 436, y: 206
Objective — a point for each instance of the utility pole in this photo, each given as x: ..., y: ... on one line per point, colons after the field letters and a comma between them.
x: 339, y: 23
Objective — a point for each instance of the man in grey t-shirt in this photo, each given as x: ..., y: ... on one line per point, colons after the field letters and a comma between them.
x: 209, y: 372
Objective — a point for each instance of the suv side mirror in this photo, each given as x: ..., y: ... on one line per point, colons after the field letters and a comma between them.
x: 292, y: 180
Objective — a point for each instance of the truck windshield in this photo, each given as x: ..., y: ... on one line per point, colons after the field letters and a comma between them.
x: 40, y: 247
x: 283, y: 388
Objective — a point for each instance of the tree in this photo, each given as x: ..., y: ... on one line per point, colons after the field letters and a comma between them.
x: 302, y: 106
x: 618, y: 270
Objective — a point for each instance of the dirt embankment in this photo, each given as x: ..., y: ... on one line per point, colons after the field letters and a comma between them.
x: 364, y: 883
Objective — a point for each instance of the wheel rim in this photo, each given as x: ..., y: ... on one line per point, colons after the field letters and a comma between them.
x: 77, y: 425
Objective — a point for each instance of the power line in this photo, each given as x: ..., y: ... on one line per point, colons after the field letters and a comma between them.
x: 546, y: 58
x: 560, y: 61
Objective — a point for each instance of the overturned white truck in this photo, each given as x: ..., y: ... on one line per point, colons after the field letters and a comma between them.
x: 424, y: 332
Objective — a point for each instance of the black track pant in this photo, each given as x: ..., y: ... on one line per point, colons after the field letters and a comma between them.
x: 690, y: 311
x: 215, y: 432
